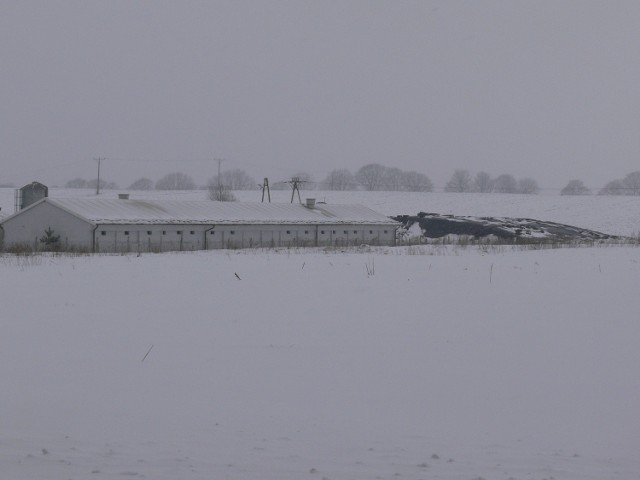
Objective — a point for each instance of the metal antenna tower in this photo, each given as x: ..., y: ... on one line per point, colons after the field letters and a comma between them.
x: 265, y: 186
x: 295, y: 187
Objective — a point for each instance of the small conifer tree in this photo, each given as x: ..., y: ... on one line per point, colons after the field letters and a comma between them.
x: 50, y: 240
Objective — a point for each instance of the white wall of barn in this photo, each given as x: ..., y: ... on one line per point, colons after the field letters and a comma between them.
x: 28, y: 227
x: 119, y: 238
x: 265, y: 236
x: 160, y: 238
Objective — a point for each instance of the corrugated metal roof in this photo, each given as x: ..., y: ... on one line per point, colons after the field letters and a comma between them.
x: 132, y: 211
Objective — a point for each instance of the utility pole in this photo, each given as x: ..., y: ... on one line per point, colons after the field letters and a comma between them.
x: 98, y: 184
x: 219, y: 160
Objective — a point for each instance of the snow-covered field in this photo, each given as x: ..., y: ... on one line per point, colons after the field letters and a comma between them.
x: 412, y: 362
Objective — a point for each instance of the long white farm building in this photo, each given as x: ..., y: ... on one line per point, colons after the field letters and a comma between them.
x: 132, y: 225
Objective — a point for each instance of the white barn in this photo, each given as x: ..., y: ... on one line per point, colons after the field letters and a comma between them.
x: 132, y: 225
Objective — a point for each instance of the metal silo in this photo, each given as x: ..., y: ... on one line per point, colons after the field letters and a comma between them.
x: 29, y: 194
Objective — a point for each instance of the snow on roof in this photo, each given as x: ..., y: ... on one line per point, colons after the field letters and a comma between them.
x: 132, y: 211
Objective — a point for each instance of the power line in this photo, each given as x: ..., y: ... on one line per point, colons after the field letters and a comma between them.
x: 160, y: 160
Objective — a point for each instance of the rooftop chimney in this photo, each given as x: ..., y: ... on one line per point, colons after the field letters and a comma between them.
x: 311, y: 203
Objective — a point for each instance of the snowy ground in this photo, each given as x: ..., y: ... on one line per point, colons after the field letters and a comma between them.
x: 413, y: 362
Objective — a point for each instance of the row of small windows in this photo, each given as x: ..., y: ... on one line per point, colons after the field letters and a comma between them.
x: 149, y: 232
x: 164, y: 232
x: 345, y: 232
x: 232, y: 232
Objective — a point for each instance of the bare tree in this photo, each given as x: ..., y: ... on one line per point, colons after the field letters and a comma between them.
x: 104, y: 185
x: 483, y: 183
x: 339, y: 179
x: 219, y: 192
x: 505, y: 183
x: 631, y: 183
x: 575, y: 187
x: 378, y: 177
x: 392, y: 179
x: 460, y: 181
x: 371, y: 176
x: 76, y: 183
x: 236, y: 179
x: 614, y: 187
x: 528, y: 186
x: 176, y: 181
x: 416, y: 182
x: 141, y: 184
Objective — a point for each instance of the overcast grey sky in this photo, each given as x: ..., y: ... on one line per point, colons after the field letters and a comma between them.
x: 548, y: 89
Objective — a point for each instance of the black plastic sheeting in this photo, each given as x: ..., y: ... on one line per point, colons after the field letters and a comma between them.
x: 435, y: 225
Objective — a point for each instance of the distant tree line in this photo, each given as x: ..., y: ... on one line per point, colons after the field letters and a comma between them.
x: 82, y: 183
x: 371, y: 177
x: 376, y: 177
x: 575, y: 187
x: 232, y: 180
x: 629, y: 185
x: 462, y: 181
